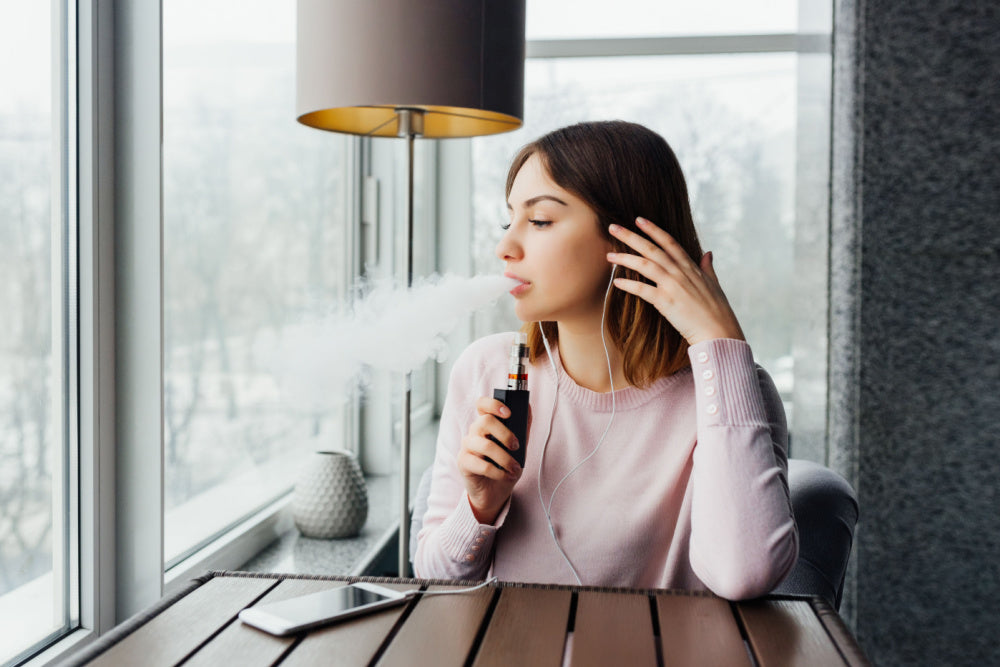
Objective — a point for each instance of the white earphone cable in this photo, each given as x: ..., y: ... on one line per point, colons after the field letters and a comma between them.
x: 456, y: 591
x: 607, y: 356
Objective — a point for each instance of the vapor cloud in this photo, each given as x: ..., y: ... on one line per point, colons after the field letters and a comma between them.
x: 388, y: 328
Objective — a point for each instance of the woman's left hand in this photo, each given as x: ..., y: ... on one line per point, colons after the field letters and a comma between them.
x: 687, y: 294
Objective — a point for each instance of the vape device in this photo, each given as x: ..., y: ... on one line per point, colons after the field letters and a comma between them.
x: 515, y: 395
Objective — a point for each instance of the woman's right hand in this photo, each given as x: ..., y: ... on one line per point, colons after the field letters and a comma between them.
x: 488, y: 486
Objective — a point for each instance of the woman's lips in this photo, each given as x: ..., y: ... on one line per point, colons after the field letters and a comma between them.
x: 520, y: 287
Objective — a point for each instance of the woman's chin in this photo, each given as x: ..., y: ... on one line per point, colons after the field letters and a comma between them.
x: 526, y: 314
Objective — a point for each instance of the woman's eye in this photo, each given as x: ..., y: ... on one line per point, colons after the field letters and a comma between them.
x: 536, y: 223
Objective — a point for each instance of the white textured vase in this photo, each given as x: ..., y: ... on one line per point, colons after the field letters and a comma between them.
x: 330, y: 498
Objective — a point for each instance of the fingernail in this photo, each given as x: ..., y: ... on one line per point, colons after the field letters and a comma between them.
x: 612, y: 256
x: 613, y: 228
x: 505, y: 411
x: 515, y: 445
x: 641, y: 221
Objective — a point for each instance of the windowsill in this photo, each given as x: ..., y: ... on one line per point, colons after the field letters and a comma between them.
x: 366, y: 553
x: 270, y: 542
x: 197, y: 519
x: 296, y: 554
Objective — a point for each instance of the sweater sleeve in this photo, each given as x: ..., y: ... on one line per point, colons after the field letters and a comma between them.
x: 743, y: 535
x: 452, y: 544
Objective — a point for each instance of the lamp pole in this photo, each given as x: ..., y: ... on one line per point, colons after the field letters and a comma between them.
x: 471, y: 84
x: 410, y: 125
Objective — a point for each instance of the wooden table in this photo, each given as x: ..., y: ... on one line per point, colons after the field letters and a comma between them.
x: 504, y: 624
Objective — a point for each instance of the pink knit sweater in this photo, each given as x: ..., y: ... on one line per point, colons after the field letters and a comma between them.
x: 689, y: 489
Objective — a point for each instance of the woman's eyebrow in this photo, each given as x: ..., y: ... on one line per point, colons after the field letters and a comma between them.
x: 534, y: 200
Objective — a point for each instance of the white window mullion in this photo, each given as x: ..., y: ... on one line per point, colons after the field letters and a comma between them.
x: 62, y: 370
x: 139, y: 306
x: 95, y: 178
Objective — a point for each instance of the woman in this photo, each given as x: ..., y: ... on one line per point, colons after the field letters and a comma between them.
x: 656, y: 451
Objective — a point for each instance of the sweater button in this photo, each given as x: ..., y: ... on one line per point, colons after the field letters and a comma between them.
x: 708, y: 374
x: 710, y: 390
x: 703, y: 357
x: 712, y: 409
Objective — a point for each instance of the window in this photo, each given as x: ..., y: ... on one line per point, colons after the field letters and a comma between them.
x: 254, y: 244
x: 38, y: 528
x: 260, y: 232
x: 749, y: 133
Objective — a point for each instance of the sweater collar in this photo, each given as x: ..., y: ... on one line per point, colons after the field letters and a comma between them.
x: 626, y: 398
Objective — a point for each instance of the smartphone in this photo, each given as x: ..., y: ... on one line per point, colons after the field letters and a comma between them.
x: 310, y: 611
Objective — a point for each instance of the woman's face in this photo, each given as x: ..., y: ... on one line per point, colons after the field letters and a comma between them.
x: 555, y: 247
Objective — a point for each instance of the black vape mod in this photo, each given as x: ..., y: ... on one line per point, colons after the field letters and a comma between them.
x: 515, y: 396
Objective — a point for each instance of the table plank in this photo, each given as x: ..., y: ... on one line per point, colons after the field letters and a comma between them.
x: 440, y: 630
x: 187, y: 623
x: 528, y: 627
x: 696, y: 630
x: 353, y: 642
x: 612, y: 629
x: 787, y: 633
x: 241, y: 644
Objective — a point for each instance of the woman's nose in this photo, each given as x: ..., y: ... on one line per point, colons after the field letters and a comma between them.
x: 509, y: 248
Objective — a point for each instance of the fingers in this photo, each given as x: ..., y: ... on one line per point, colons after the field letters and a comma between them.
x: 644, y: 291
x: 662, y: 258
x: 652, y: 270
x: 686, y: 293
x: 660, y: 247
x: 484, y: 458
x: 491, y: 406
x: 490, y: 412
x: 708, y: 267
x: 488, y: 444
x: 473, y: 463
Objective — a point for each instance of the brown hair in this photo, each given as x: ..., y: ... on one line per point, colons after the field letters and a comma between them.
x: 622, y: 171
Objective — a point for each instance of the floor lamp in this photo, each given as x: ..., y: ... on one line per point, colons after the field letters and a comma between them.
x: 408, y: 68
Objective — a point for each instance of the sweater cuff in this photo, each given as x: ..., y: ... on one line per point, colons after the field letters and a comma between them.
x: 465, y: 540
x: 727, y: 387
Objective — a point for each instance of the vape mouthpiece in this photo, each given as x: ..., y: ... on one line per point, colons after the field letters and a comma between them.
x: 517, y: 371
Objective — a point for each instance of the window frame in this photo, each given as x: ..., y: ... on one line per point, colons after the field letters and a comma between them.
x: 63, y: 390
x: 95, y: 183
